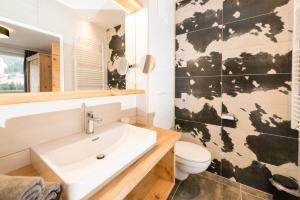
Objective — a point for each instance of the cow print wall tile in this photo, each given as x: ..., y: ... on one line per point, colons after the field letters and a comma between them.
x: 116, y: 50
x: 196, y: 15
x: 274, y: 150
x: 251, y: 173
x: 205, y: 135
x: 259, y: 32
x: 273, y: 59
x: 117, y: 84
x: 200, y: 87
x: 272, y: 119
x: 241, y: 9
x: 254, y: 173
x: 234, y: 85
x: 242, y: 96
x: 201, y: 59
x: 238, y: 63
x: 270, y: 22
x: 204, y: 65
x: 266, y: 148
x: 203, y: 39
x: 203, y: 99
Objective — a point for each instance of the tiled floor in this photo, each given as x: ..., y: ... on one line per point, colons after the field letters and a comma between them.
x: 207, y: 186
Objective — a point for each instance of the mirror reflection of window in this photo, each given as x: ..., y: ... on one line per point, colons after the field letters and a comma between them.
x: 29, y: 59
x: 11, y: 72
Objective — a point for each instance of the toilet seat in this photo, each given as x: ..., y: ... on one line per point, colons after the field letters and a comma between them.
x: 190, y: 154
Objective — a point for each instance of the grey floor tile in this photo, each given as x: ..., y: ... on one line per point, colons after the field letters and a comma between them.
x: 174, y: 190
x: 231, y: 193
x: 254, y: 192
x: 220, y: 179
x: 199, y: 188
x: 247, y: 196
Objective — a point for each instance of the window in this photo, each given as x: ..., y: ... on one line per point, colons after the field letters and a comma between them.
x: 11, y: 72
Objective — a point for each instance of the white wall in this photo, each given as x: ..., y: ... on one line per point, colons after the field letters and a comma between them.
x: 57, y: 18
x: 155, y: 34
x: 162, y: 46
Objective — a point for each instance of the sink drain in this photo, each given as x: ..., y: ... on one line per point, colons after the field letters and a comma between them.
x: 100, y: 156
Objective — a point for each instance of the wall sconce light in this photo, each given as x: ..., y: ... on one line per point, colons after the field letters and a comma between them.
x: 130, y: 6
x: 147, y: 64
x: 4, y: 32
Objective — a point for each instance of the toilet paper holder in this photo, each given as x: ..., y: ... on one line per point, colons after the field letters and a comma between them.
x: 228, y: 116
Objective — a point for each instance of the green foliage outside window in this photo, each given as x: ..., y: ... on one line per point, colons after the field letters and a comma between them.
x: 11, y: 73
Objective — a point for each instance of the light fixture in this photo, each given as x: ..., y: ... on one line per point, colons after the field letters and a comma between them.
x: 4, y: 32
x: 130, y: 6
x: 147, y: 64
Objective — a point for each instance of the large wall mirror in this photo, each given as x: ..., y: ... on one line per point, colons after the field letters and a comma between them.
x: 29, y: 59
x: 84, y: 50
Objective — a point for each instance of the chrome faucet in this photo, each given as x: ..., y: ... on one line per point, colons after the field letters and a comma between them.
x: 91, y: 119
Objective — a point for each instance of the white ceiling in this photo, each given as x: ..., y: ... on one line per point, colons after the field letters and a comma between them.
x: 26, y: 39
x: 104, y: 13
x: 89, y: 4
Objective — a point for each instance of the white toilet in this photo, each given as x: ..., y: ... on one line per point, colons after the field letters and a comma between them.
x: 190, y: 159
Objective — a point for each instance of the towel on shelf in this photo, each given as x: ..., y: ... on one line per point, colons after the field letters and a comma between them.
x: 21, y: 188
x: 51, y: 191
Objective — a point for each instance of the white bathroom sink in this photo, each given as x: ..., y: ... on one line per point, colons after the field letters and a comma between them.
x: 85, y: 163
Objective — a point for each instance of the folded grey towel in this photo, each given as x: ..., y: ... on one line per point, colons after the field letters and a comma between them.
x: 51, y: 191
x: 20, y: 188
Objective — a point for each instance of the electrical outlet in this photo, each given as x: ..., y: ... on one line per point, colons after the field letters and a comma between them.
x: 184, y: 97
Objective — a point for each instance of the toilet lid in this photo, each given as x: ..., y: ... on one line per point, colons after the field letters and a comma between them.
x: 191, y: 152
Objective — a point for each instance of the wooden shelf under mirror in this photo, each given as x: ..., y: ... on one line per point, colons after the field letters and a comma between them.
x: 17, y: 98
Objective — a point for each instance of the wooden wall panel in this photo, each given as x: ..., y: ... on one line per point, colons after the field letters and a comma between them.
x: 55, y: 67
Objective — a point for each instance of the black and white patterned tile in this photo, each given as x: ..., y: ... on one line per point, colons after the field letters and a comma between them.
x: 250, y: 53
x: 262, y: 31
x: 203, y: 102
x: 255, y: 157
x: 199, y: 53
x: 276, y: 151
x: 241, y: 9
x: 248, y: 84
x: 261, y: 103
x: 265, y: 148
x: 205, y: 135
x: 255, y: 173
x: 117, y: 84
x: 114, y: 75
x: 265, y: 59
x: 200, y: 87
x: 116, y: 50
x: 192, y: 15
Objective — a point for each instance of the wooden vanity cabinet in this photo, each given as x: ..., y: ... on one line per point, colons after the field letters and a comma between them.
x: 158, y: 183
x: 151, y: 177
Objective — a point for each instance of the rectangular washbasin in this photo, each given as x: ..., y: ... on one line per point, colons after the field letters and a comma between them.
x: 85, y: 163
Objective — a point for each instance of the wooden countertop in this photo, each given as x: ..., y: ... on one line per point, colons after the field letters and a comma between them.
x: 125, y: 182
x: 16, y: 98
